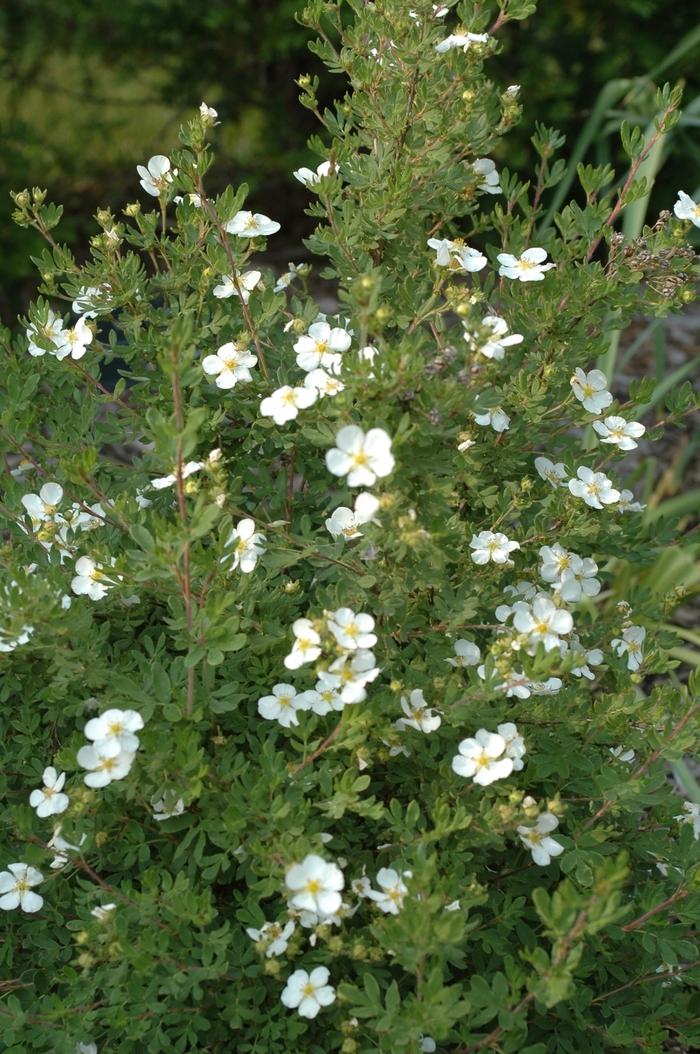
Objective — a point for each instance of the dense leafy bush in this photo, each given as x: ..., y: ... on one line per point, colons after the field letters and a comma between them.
x: 362, y: 751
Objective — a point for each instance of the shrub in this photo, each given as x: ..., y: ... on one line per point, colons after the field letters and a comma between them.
x: 315, y: 613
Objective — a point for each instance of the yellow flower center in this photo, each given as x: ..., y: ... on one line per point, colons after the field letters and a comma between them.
x: 284, y: 700
x: 360, y: 458
x: 482, y: 760
x: 96, y: 575
x: 288, y: 398
x: 588, y: 390
x: 313, y: 885
x: 308, y: 989
x: 21, y: 886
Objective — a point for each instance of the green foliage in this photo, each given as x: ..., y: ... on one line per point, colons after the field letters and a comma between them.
x: 488, y: 950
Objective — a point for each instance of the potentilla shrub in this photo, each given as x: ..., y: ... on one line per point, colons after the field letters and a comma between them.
x: 325, y: 726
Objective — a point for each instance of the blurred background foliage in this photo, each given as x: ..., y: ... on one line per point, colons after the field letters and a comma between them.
x: 88, y: 88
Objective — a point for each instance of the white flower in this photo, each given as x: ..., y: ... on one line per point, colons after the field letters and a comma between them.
x: 308, y: 992
x: 90, y: 580
x: 528, y: 267
x: 323, y: 383
x: 418, y: 714
x: 49, y: 333
x: 537, y: 839
x: 466, y: 654
x: 591, y: 389
x: 9, y: 643
x: 443, y: 250
x: 691, y: 815
x: 245, y: 282
x: 61, y: 848
x: 166, y: 805
x: 85, y: 1048
x: 322, y: 347
x: 350, y: 674
x: 427, y: 1043
x: 543, y: 622
x: 360, y: 456
x: 187, y: 470
x: 389, y: 898
x: 16, y: 888
x: 347, y: 521
x: 322, y: 699
x: 579, y: 580
x: 583, y: 660
x: 686, y: 209
x: 486, y: 168
x: 491, y: 339
x: 460, y: 40
x: 352, y: 630
x: 468, y: 259
x: 285, y: 403
x: 631, y: 643
x: 628, y: 504
x: 230, y: 364
x: 594, y: 487
x: 309, y: 178
x: 247, y: 545
x: 315, y: 885
x: 74, y: 341
x: 251, y: 225
x: 48, y: 800
x: 282, y: 705
x: 307, y: 644
x: 483, y: 758
x: 497, y: 418
x: 555, y: 561
x: 515, y: 744
x: 620, y: 754
x: 619, y: 431
x: 207, y: 113
x: 554, y: 474
x: 488, y: 545
x: 274, y: 936
x: 44, y: 505
x: 103, y: 911
x: 156, y: 177
x: 106, y: 762
x: 119, y: 726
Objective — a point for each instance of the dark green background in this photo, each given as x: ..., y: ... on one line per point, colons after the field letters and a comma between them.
x: 88, y: 88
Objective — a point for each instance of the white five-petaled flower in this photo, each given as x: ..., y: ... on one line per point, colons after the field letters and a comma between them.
x: 591, y: 389
x: 491, y: 181
x: 594, y: 487
x: 583, y: 659
x: 106, y: 761
x: 243, y: 286
x: 285, y: 403
x: 417, y: 714
x: 464, y: 258
x: 168, y: 481
x: 90, y: 579
x: 350, y: 674
x: 530, y: 266
x: 687, y: 209
x: 307, y: 644
x: 49, y: 799
x: 537, y: 839
x: 497, y: 418
x: 165, y: 805
x: 230, y: 364
x: 16, y: 888
x: 207, y: 113
x: 282, y: 705
x: 628, y: 504
x: 543, y: 622
x: 49, y: 333
x: 116, y: 725
x: 491, y: 337
x: 324, y: 383
x: 619, y: 431
x: 352, y: 630
x: 483, y: 757
x: 251, y: 225
x: 466, y: 654
x: 315, y: 885
x: 691, y: 815
x: 322, y: 347
x: 443, y: 250
x: 74, y: 341
x: 462, y: 40
x: 273, y: 936
x: 631, y: 644
x: 392, y: 890
x: 346, y: 522
x: 494, y: 546
x: 156, y: 176
x: 309, y: 178
x: 579, y: 580
x: 44, y: 505
x: 555, y: 474
x: 360, y: 456
x: 247, y: 545
x: 308, y: 992
x: 555, y: 561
